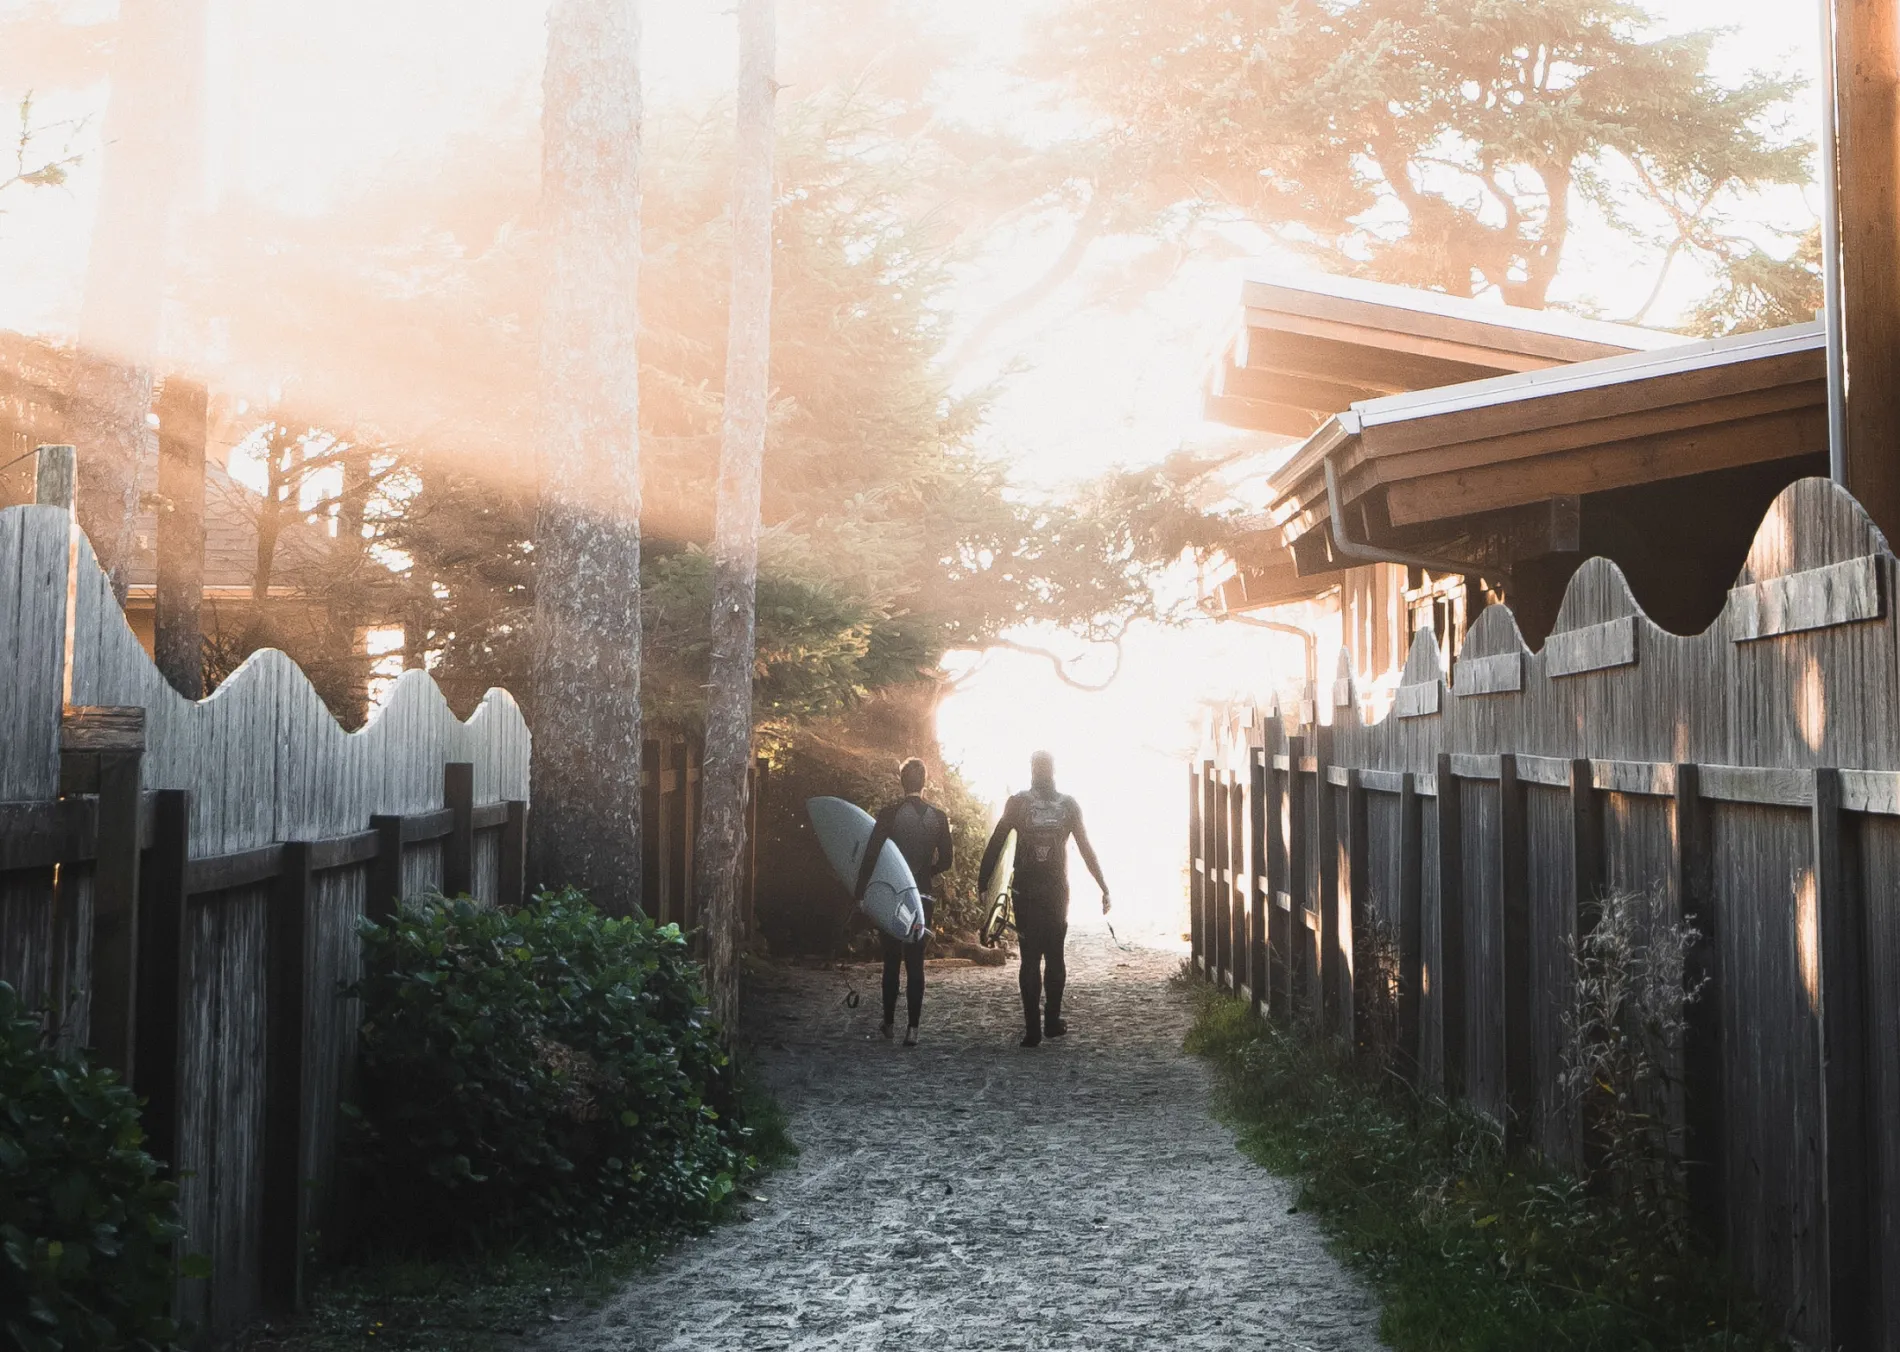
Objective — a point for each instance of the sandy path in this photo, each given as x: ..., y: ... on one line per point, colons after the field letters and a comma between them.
x: 972, y: 1194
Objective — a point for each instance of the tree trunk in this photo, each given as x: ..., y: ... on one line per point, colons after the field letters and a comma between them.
x: 152, y: 141
x: 177, y: 633
x: 728, y: 754
x: 586, y: 764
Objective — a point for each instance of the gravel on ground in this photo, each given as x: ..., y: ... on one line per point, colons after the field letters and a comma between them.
x: 971, y: 1194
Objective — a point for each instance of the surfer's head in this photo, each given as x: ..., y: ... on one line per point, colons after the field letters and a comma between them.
x: 912, y: 775
x: 1042, y: 771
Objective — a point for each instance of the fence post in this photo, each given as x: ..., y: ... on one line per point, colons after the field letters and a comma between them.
x: 100, y: 752
x: 1224, y: 878
x: 511, y: 889
x: 1702, y: 1050
x: 1358, y: 928
x: 1258, y: 977
x: 55, y: 473
x: 1197, y: 888
x: 1279, y: 886
x: 284, y: 1194
x: 1840, y: 992
x: 1411, y: 929
x: 1238, y: 949
x: 1520, y: 1048
x: 1586, y: 882
x: 1452, y: 986
x: 1302, y: 954
x: 385, y: 870
x: 1331, y: 959
x: 161, y: 958
x: 458, y: 847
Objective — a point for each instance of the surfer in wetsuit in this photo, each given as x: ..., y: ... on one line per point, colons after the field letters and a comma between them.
x: 922, y: 833
x: 1043, y: 821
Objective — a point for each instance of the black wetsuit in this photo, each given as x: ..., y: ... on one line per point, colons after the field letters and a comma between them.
x: 1043, y: 822
x: 922, y: 834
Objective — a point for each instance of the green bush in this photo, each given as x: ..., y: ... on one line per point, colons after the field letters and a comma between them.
x: 86, y: 1225
x: 546, y: 1072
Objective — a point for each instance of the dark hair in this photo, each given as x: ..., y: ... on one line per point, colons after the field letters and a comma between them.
x: 912, y: 774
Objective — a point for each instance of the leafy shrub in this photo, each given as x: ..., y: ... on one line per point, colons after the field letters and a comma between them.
x: 86, y: 1225
x: 548, y: 1071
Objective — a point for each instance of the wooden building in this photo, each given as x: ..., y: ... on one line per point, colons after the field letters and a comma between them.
x: 1414, y: 509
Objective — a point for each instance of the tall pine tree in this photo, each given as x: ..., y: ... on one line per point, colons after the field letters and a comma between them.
x: 722, y: 834
x: 586, y: 766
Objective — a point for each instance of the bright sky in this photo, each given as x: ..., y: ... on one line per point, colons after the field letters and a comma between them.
x: 306, y: 100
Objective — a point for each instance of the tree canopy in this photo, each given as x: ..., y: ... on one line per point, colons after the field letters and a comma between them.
x: 1443, y: 143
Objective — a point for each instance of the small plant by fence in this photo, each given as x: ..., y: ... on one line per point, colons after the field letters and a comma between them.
x: 180, y: 884
x: 1747, y: 779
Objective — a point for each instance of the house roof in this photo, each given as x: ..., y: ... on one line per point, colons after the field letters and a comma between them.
x: 1429, y: 460
x: 1305, y: 346
x: 231, y: 517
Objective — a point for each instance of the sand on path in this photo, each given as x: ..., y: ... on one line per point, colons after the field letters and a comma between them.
x: 969, y: 1193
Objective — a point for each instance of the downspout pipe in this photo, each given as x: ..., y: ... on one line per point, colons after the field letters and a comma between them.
x: 1367, y: 552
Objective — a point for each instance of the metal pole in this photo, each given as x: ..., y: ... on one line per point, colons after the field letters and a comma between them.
x: 1831, y: 253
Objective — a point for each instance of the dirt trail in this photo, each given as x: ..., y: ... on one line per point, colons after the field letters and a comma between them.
x: 972, y: 1194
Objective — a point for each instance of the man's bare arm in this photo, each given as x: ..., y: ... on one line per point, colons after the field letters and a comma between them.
x: 1088, y: 858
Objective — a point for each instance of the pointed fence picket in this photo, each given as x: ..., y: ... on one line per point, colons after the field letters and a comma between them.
x: 1749, y: 776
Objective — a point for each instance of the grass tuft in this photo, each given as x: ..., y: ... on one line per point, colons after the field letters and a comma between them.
x: 1469, y: 1249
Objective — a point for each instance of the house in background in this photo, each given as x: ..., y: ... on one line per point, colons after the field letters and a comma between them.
x: 1552, y: 440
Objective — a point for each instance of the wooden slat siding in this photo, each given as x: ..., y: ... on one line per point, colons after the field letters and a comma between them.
x: 1842, y: 996
x: 1220, y: 872
x: 1196, y: 862
x: 458, y: 847
x: 1382, y: 781
x: 285, y: 1080
x: 1304, y: 873
x: 1417, y: 701
x: 1702, y: 1054
x: 331, y: 1023
x: 1210, y: 868
x: 1499, y: 675
x: 1816, y: 598
x: 1596, y: 647
x: 157, y: 1058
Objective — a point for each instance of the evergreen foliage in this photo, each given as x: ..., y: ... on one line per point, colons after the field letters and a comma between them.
x: 544, y: 1072
x: 86, y: 1225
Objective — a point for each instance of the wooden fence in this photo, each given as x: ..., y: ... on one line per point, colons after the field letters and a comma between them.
x: 1748, y: 776
x: 180, y: 884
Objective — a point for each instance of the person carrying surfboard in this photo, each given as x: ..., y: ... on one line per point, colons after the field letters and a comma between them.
x: 1043, y: 821
x: 922, y: 835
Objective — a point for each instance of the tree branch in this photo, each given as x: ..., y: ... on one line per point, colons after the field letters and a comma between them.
x: 1087, y: 230
x: 1061, y: 664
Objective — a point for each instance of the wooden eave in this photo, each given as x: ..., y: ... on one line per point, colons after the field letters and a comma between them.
x: 1303, y: 351
x: 1635, y: 418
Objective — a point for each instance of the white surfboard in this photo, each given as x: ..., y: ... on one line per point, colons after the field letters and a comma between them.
x: 892, y: 900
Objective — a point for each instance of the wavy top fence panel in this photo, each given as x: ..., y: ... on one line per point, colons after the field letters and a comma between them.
x: 262, y: 757
x: 1802, y: 669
